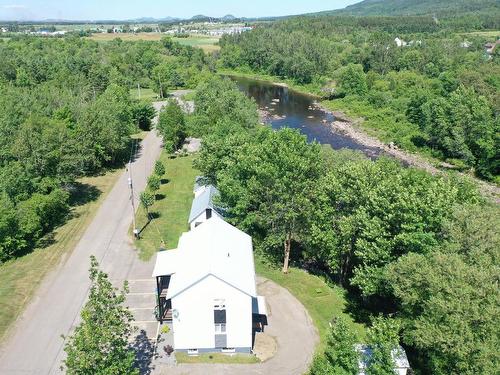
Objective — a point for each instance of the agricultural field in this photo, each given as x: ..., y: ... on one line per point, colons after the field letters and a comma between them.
x: 208, y: 44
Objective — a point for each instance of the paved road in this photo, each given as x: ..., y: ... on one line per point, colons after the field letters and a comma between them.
x: 35, y: 346
x: 288, y: 322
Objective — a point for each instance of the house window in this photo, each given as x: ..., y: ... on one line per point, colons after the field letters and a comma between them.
x: 208, y: 213
x: 220, y: 317
x: 228, y: 350
x: 192, y: 351
x: 220, y: 328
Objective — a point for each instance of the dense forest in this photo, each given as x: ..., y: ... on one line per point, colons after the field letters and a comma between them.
x: 436, y: 91
x: 418, y: 254
x: 66, y: 112
x: 439, y: 8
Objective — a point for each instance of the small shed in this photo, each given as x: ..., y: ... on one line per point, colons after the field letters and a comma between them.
x: 401, y: 363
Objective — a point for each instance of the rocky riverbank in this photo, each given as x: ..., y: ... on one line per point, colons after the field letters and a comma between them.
x: 351, y: 128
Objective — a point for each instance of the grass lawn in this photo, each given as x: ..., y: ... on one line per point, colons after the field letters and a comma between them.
x: 171, y: 208
x: 216, y: 358
x: 491, y: 34
x: 146, y: 94
x: 207, y: 44
x: 321, y: 301
x: 20, y: 277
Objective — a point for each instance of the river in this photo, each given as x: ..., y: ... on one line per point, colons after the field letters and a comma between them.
x: 285, y: 108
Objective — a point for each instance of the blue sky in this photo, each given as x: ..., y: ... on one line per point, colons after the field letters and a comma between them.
x: 129, y: 9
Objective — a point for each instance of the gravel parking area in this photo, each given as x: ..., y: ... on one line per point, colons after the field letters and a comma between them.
x: 289, y: 325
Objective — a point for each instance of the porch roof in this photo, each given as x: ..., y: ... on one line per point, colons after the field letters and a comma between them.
x: 167, y: 263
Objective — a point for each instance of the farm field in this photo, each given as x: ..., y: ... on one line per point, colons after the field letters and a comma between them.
x: 208, y: 44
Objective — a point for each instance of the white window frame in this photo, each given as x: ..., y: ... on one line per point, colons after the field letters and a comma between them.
x: 220, y: 328
x: 192, y: 351
x: 228, y: 350
x: 219, y: 304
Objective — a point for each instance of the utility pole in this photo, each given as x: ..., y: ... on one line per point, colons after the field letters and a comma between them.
x: 161, y: 88
x: 131, y: 185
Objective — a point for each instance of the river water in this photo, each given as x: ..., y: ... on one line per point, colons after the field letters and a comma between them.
x: 289, y: 109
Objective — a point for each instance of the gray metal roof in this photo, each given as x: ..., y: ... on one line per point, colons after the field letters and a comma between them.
x: 398, y: 355
x: 202, y: 202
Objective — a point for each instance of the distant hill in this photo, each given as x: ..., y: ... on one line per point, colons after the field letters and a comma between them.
x: 417, y: 7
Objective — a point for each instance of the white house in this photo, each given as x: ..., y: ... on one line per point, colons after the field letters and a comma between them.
x: 400, y: 42
x: 206, y: 287
x: 401, y: 364
x: 203, y: 207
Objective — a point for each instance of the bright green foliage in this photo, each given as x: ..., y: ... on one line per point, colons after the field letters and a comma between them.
x: 66, y: 112
x: 147, y: 200
x: 172, y: 126
x: 353, y: 80
x: 99, y: 344
x: 340, y: 357
x: 143, y: 113
x: 12, y: 242
x: 370, y: 213
x: 356, y: 60
x: 383, y: 338
x: 154, y: 183
x: 462, y: 127
x: 269, y: 189
x: 160, y: 168
x: 449, y: 300
x: 218, y: 101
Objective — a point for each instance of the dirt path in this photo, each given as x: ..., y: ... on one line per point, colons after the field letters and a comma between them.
x: 351, y: 128
x: 289, y: 324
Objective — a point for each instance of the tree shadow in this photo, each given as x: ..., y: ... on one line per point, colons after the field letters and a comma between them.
x: 363, y: 309
x: 160, y: 197
x: 154, y: 215
x: 165, y: 181
x: 81, y: 194
x: 144, y: 353
x: 151, y: 216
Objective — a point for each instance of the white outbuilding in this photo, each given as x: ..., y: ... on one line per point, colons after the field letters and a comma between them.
x: 206, y: 288
x: 203, y: 207
x: 401, y: 364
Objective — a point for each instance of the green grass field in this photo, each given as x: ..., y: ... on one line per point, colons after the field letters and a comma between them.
x: 172, y: 207
x: 146, y: 94
x: 206, y: 43
x: 490, y: 34
x: 216, y: 358
x: 321, y: 300
x: 20, y: 277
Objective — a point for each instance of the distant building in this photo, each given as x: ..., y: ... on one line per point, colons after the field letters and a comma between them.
x: 4, y: 30
x: 490, y: 47
x: 401, y: 364
x: 400, y: 42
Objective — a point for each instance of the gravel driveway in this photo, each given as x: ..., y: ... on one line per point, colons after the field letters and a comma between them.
x: 289, y: 324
